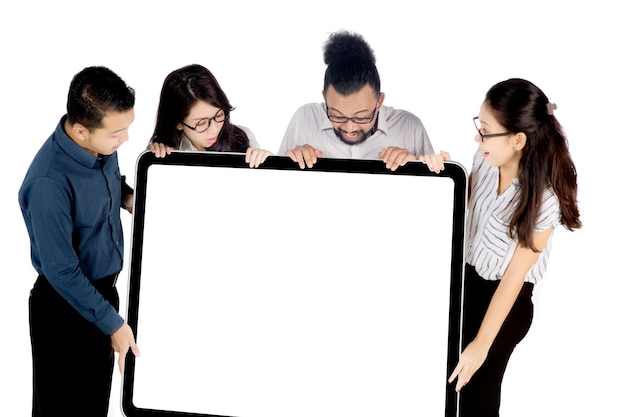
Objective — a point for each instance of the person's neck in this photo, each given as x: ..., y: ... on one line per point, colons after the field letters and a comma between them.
x: 507, y: 174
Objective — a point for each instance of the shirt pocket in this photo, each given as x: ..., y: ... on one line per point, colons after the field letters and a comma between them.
x: 495, y: 238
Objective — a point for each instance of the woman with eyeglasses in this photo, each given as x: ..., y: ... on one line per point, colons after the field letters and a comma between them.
x: 522, y: 186
x: 194, y: 115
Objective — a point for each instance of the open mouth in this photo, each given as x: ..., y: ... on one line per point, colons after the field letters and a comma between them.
x: 352, y: 136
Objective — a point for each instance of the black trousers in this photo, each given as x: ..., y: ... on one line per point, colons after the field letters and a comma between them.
x: 481, y: 396
x: 72, y: 359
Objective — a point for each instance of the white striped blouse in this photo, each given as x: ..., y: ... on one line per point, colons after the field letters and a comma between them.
x: 489, y: 248
x: 400, y: 128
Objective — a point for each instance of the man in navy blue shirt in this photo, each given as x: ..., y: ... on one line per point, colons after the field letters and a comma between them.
x: 70, y: 199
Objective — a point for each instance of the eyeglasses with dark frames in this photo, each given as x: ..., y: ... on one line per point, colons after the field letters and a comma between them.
x: 489, y: 135
x: 357, y: 120
x: 204, y: 124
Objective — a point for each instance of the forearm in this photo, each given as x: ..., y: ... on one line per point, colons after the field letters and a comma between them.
x: 499, y: 308
x: 508, y: 289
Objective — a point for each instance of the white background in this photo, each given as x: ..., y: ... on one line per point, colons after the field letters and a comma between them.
x: 436, y: 59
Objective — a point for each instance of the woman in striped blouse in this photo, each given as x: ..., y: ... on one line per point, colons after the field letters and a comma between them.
x: 522, y: 186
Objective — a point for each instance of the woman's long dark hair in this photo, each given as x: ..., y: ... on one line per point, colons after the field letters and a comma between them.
x: 182, y: 89
x: 520, y: 106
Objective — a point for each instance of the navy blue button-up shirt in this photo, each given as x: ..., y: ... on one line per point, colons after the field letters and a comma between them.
x: 71, y: 201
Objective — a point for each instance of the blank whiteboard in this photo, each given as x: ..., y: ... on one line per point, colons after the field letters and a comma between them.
x: 280, y: 292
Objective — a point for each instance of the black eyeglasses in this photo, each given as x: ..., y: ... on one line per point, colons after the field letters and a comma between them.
x: 204, y: 124
x: 489, y: 135
x: 357, y: 120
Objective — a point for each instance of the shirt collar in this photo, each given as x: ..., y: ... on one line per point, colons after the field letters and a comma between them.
x: 383, y: 114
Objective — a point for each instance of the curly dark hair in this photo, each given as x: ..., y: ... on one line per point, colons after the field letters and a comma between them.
x: 351, y: 63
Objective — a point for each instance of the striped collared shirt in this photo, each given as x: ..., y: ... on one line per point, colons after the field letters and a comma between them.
x: 310, y: 125
x: 489, y: 247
